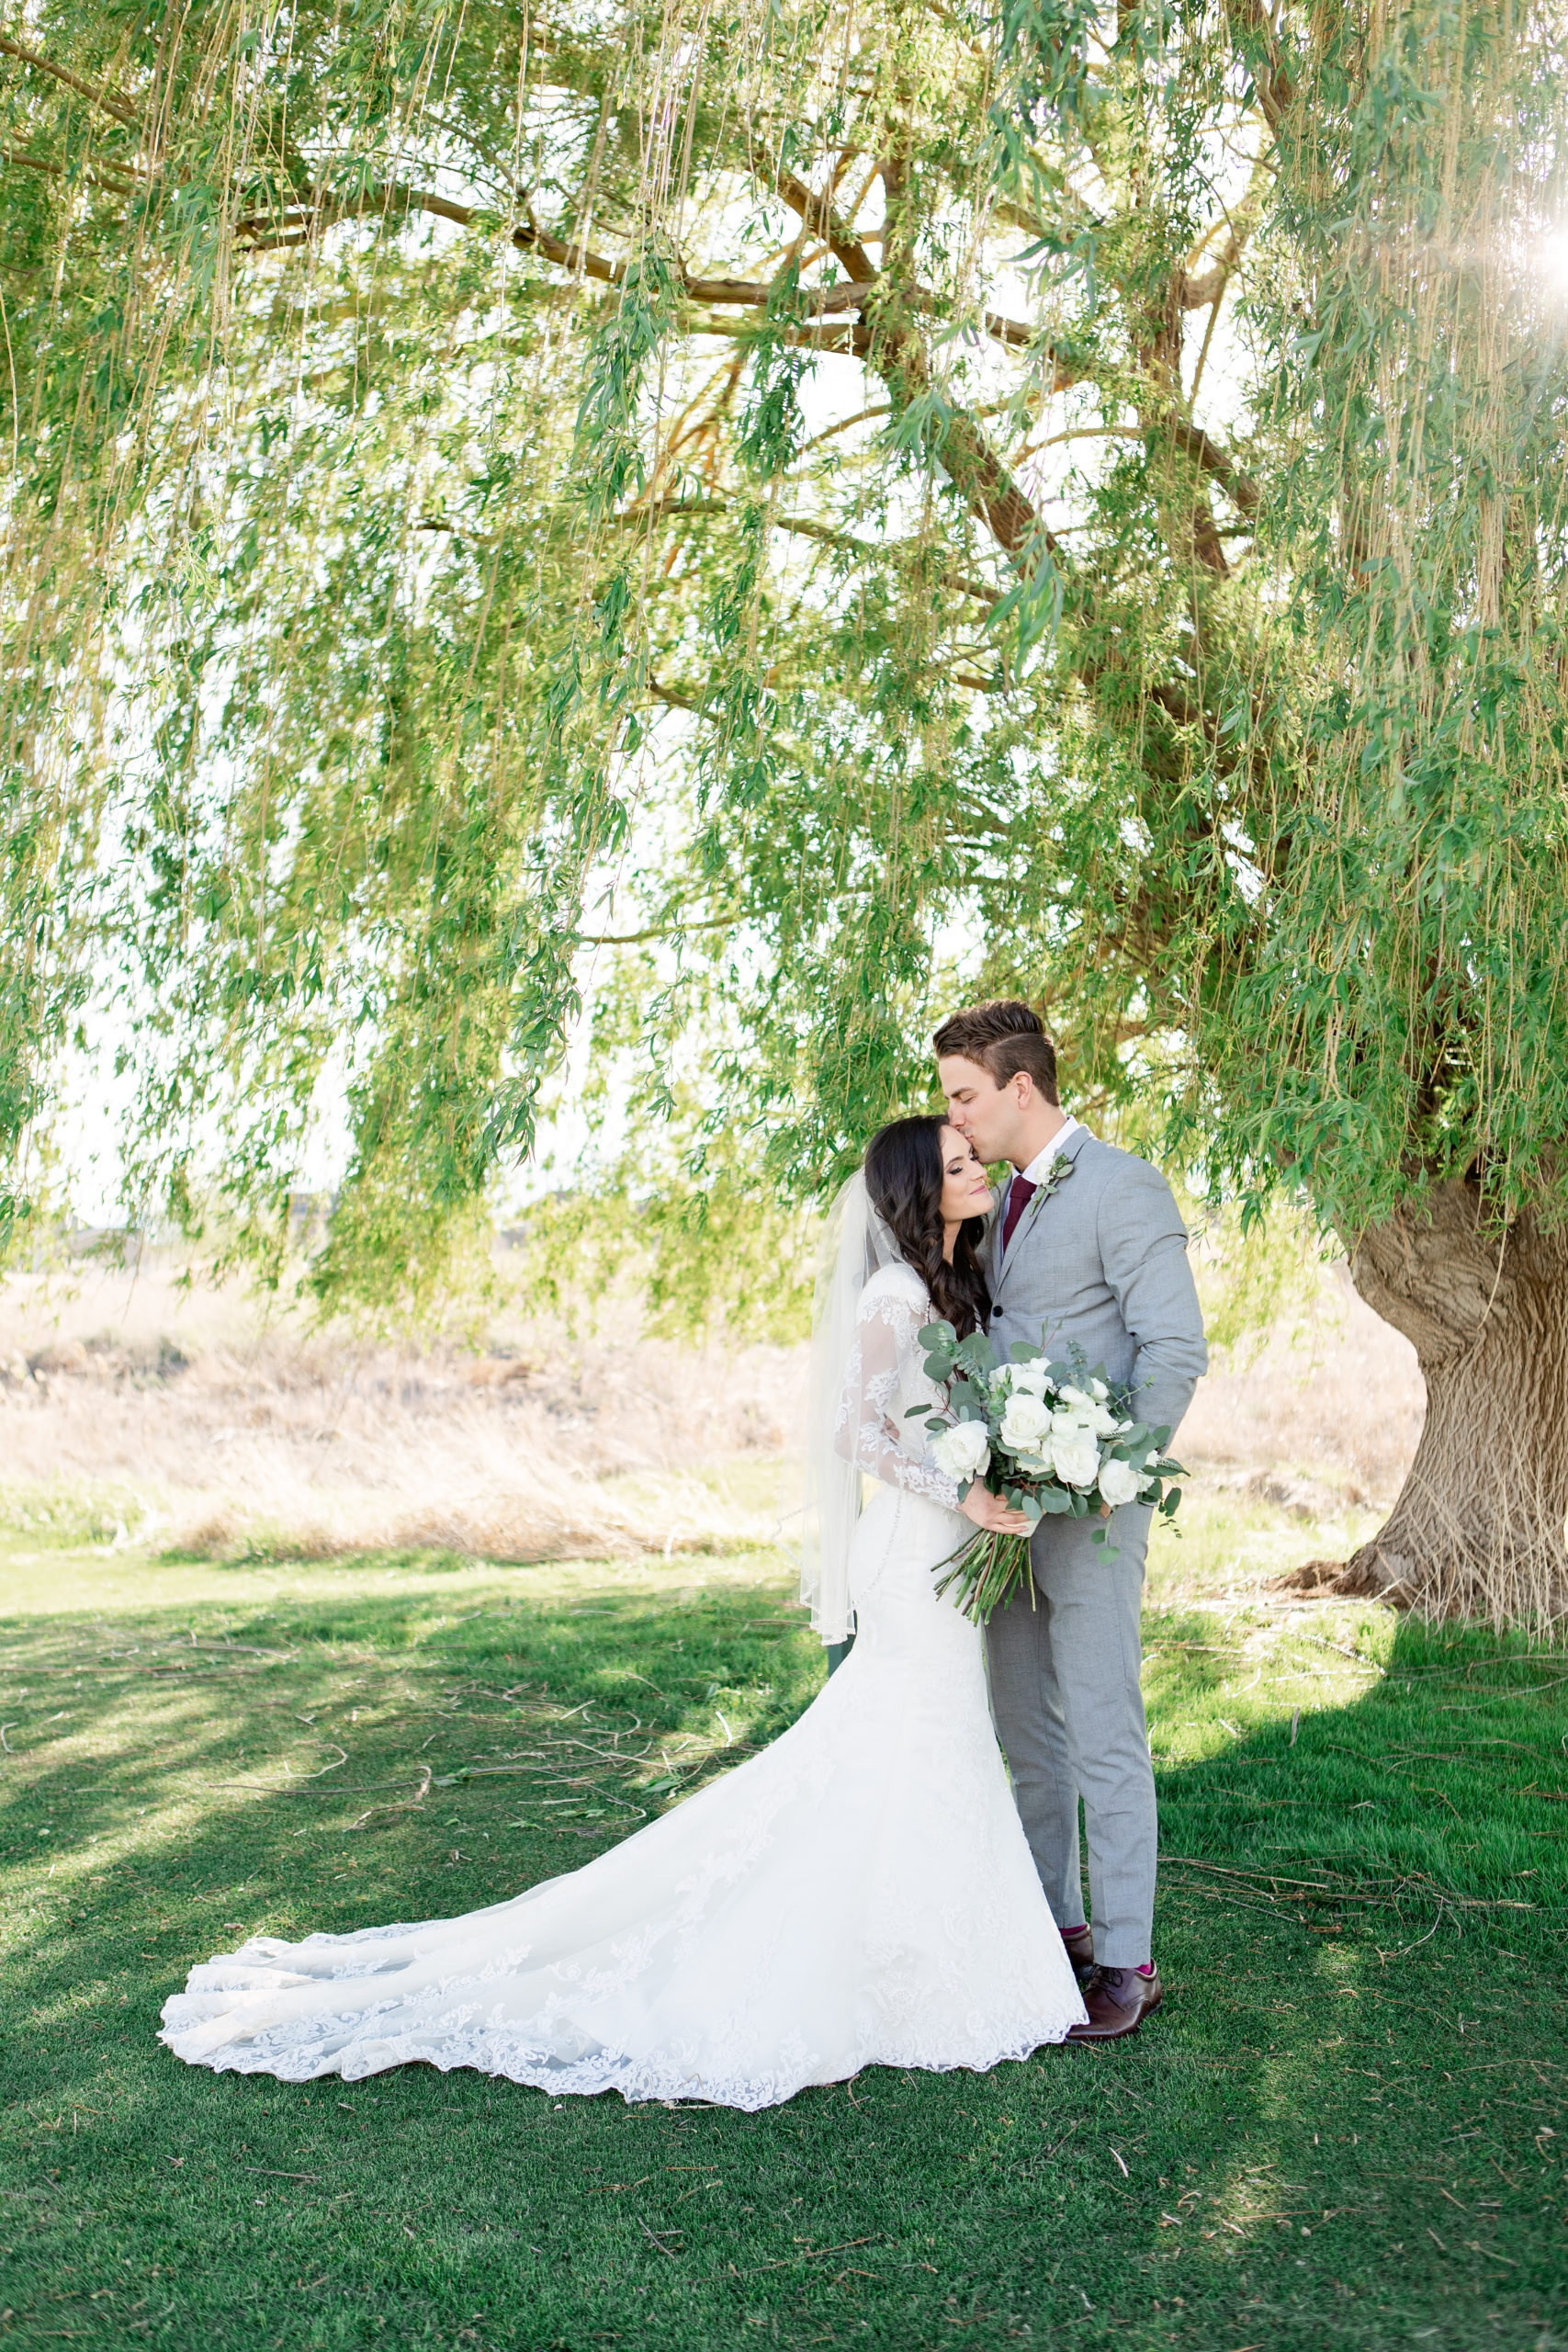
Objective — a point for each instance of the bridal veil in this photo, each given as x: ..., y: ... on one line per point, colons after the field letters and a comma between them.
x: 855, y: 1243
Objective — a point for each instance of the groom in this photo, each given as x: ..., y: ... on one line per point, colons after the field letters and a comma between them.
x: 1087, y: 1248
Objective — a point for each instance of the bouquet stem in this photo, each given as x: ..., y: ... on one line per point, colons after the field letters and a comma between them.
x: 988, y: 1571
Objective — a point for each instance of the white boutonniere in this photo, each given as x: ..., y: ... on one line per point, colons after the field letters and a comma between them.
x: 1056, y: 1176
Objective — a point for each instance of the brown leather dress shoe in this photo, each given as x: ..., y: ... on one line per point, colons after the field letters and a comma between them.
x: 1118, y: 2000
x: 1079, y: 1948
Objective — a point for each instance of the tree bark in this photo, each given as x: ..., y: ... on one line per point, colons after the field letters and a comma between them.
x: 1478, y: 1528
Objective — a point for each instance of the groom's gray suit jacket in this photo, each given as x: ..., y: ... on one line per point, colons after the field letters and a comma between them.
x: 1101, y: 1262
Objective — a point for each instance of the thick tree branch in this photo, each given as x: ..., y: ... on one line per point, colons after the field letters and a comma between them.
x: 1271, y: 76
x: 95, y: 175
x: 298, y: 222
x: 899, y: 355
x: 1014, y: 332
x: 817, y: 214
x: 96, y: 93
x: 530, y: 238
x: 1194, y: 443
x: 971, y: 459
x: 1198, y: 293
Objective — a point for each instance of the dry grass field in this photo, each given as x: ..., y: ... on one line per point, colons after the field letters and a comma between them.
x: 191, y: 1422
x: 140, y: 1411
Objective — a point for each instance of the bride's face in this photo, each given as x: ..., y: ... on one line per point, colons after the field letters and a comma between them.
x: 965, y: 1192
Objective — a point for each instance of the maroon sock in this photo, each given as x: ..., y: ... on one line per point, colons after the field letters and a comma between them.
x: 1077, y: 1931
x: 1146, y: 1968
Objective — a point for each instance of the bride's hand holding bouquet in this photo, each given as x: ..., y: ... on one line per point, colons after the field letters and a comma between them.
x: 1031, y: 1439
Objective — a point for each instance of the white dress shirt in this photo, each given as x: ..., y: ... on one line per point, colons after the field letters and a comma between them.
x: 1042, y: 1160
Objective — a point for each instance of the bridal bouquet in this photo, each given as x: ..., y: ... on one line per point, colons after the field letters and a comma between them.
x: 1050, y: 1439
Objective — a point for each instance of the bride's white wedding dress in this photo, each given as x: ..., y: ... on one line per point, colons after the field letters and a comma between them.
x: 859, y: 1894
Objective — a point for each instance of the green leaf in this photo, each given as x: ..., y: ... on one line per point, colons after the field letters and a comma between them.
x: 976, y: 1354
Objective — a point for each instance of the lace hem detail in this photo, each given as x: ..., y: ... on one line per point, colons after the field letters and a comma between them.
x: 294, y: 2056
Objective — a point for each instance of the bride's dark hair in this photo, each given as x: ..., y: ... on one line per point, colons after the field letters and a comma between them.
x: 904, y: 1179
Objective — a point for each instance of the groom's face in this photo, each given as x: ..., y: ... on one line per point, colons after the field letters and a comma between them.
x: 980, y: 1109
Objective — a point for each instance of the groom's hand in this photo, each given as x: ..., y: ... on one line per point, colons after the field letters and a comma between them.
x: 989, y: 1511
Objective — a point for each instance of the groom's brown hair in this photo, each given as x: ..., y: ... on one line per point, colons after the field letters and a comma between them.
x: 1004, y: 1037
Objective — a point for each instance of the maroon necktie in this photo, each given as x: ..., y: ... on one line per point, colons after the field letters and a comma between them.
x: 1020, y: 1192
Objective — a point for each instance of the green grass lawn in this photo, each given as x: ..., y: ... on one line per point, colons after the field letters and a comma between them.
x: 1344, y: 2129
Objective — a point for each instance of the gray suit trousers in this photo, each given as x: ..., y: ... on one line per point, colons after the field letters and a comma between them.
x: 1069, y: 1714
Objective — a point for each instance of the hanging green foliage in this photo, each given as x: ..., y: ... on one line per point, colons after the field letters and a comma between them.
x: 855, y: 504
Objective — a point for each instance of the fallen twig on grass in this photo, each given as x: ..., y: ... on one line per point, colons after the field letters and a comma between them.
x: 301, y: 1788
x: 814, y: 2254
x: 1356, y: 1657
x: 1377, y: 1895
x: 406, y: 1805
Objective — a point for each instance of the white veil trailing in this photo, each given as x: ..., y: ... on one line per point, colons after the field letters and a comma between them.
x: 855, y: 1243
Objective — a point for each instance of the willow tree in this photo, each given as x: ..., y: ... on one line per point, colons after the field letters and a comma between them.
x: 774, y: 513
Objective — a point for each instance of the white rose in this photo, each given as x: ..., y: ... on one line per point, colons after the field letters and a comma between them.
x: 1119, y: 1483
x: 1024, y: 1423
x: 1088, y: 1404
x: 1029, y: 1378
x: 1075, y: 1450
x: 963, y: 1451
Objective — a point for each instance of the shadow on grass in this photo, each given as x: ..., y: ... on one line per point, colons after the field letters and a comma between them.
x: 1342, y: 2129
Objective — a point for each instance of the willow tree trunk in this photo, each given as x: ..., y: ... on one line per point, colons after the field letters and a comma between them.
x: 1478, y: 1528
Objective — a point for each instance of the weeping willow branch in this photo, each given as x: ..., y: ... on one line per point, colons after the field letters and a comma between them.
x: 363, y: 511
x: 97, y: 95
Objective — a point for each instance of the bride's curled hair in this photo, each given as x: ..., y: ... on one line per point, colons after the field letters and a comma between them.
x: 904, y: 1180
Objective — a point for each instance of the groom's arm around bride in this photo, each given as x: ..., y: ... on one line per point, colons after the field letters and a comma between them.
x: 1088, y: 1248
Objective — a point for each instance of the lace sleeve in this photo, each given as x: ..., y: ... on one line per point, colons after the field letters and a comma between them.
x: 867, y: 1431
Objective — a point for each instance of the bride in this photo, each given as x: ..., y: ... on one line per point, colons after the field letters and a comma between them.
x: 859, y: 1894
